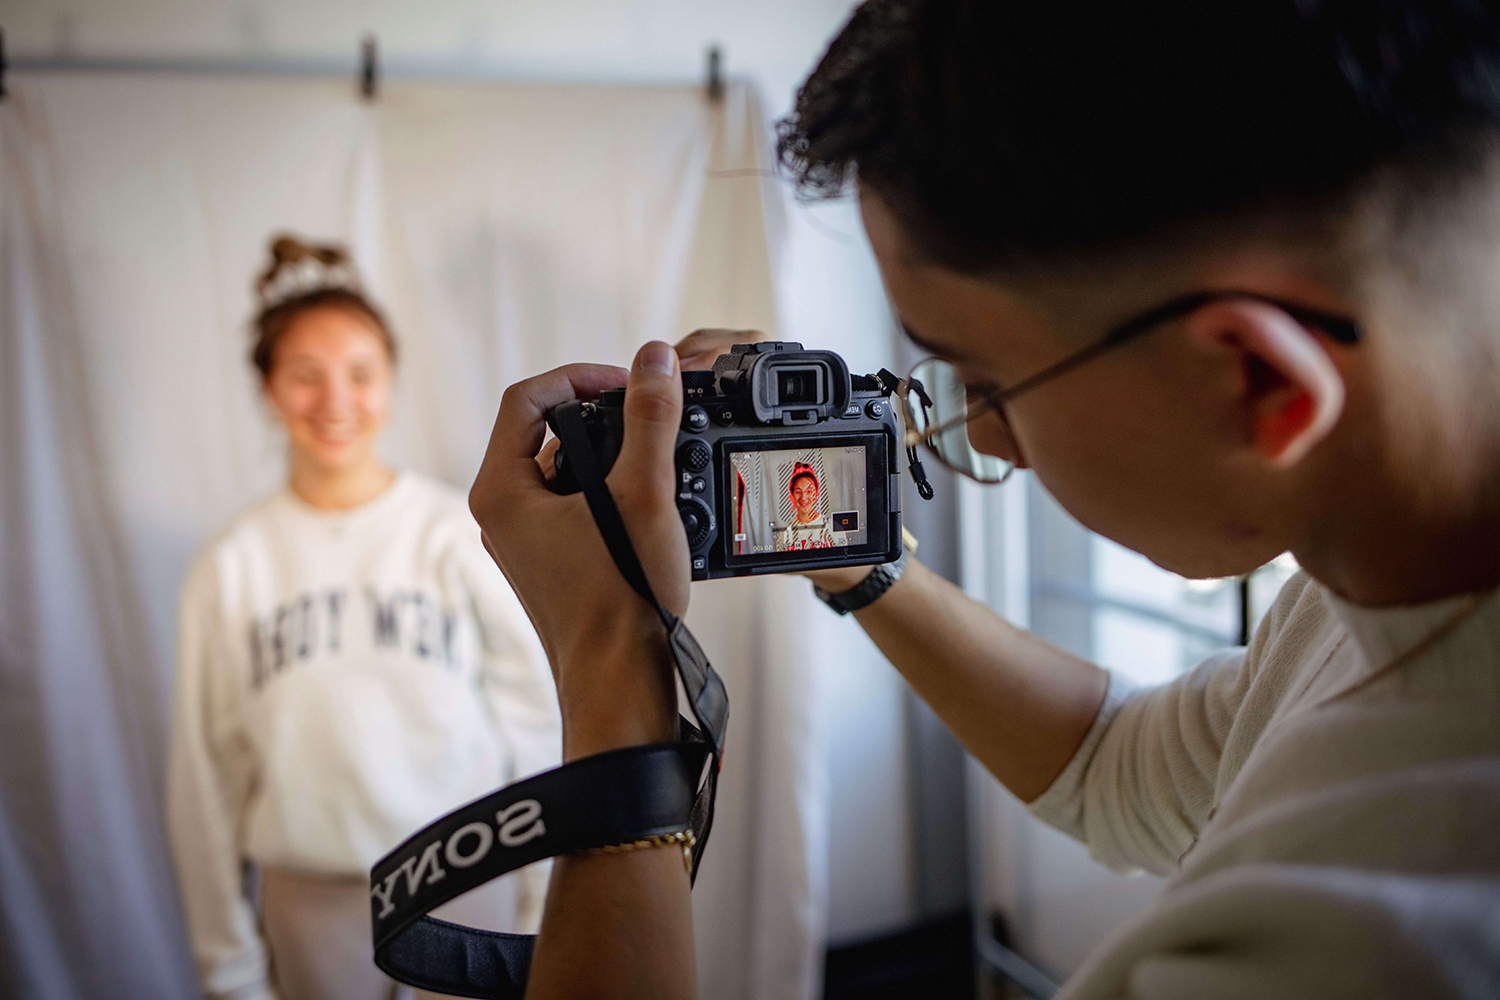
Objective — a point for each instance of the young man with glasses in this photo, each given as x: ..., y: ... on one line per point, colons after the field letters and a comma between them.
x: 1226, y: 277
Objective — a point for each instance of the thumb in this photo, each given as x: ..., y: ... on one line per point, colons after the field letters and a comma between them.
x: 653, y: 409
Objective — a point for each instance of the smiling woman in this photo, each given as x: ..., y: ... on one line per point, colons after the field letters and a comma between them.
x: 351, y: 663
x: 327, y: 359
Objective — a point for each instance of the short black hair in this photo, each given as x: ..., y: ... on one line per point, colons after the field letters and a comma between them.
x: 1005, y: 133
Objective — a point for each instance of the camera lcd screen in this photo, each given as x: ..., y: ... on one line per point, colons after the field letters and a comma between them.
x: 796, y: 499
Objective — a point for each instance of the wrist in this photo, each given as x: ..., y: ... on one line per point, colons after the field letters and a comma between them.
x: 877, y: 582
x: 616, y: 689
x: 837, y: 581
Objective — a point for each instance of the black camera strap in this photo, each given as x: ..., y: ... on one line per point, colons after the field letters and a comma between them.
x: 609, y: 798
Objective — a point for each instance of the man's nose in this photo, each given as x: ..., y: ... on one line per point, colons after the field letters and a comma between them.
x: 991, y: 434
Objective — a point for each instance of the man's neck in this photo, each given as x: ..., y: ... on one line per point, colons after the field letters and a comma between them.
x: 1411, y: 563
x: 1418, y: 522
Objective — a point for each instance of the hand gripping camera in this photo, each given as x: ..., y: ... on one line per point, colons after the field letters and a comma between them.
x: 784, y: 462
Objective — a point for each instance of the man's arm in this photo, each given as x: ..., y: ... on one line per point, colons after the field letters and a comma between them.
x: 1018, y: 703
x: 615, y: 925
x: 618, y: 925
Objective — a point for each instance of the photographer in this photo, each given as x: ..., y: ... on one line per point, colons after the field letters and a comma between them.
x: 1223, y: 277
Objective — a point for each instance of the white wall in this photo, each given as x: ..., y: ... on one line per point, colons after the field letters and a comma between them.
x: 829, y: 291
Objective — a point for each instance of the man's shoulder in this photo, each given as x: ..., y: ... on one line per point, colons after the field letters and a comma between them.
x: 1300, y: 931
x: 1299, y: 600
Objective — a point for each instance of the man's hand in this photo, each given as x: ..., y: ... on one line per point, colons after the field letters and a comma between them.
x: 607, y: 647
x: 696, y: 352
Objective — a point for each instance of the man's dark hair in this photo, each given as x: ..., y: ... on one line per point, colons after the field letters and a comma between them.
x: 1010, y: 133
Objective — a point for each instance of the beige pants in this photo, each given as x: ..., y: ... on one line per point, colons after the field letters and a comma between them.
x: 317, y: 928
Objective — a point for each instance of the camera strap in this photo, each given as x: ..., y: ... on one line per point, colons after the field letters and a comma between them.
x: 610, y: 798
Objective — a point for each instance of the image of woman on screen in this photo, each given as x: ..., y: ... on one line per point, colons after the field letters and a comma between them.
x: 809, y: 528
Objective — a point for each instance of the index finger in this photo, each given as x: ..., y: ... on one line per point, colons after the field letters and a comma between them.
x: 521, y: 425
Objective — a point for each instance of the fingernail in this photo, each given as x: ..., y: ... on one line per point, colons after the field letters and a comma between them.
x: 655, y: 356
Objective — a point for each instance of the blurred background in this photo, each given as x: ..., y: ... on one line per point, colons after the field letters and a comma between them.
x: 523, y: 184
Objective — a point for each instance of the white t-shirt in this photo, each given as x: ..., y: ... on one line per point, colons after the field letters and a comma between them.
x: 344, y: 678
x: 1329, y: 829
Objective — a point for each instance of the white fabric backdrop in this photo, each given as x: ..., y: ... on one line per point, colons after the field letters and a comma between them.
x: 507, y: 229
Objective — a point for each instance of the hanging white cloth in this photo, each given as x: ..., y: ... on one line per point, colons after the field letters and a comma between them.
x: 506, y: 229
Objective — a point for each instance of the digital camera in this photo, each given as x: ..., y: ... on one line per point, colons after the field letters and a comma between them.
x: 784, y: 462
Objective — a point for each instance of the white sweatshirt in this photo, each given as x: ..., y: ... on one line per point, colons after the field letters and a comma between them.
x: 344, y: 678
x: 1328, y: 832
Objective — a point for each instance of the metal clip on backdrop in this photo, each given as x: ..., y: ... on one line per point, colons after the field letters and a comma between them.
x: 610, y: 798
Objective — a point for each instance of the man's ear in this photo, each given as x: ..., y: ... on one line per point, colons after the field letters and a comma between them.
x: 1291, y: 391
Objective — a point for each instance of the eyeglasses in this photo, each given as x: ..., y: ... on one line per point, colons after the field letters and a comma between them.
x: 938, y: 405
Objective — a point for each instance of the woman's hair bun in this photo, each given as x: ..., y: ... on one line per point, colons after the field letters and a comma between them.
x: 301, y: 276
x: 326, y: 264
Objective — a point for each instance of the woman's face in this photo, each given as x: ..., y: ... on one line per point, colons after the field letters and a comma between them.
x: 805, y: 498
x: 330, y: 384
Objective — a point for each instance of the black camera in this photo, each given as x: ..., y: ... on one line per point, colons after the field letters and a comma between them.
x: 784, y: 462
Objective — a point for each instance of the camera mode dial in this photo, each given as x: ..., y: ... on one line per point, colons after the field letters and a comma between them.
x: 697, y: 521
x: 694, y: 456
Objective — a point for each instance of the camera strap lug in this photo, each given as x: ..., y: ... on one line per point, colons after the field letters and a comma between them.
x: 890, y: 384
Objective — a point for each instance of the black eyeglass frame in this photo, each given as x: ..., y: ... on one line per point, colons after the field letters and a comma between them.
x: 1341, y: 329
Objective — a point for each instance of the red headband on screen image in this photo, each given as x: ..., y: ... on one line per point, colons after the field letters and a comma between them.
x: 801, y: 471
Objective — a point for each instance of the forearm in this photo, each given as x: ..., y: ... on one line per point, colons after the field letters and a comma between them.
x: 617, y: 925
x: 1018, y: 703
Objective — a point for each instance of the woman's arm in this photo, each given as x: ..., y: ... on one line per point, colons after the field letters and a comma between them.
x: 518, y: 691
x: 209, y: 778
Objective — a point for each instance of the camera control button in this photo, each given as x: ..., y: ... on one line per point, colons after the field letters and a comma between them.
x: 694, y: 456
x: 694, y: 418
x: 696, y: 521
x: 725, y: 416
x: 875, y: 409
x: 698, y: 485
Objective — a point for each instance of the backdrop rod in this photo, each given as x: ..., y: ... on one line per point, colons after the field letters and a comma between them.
x: 228, y: 66
x: 715, y: 84
x: 368, y: 68
x: 2, y: 64
x: 436, y: 70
